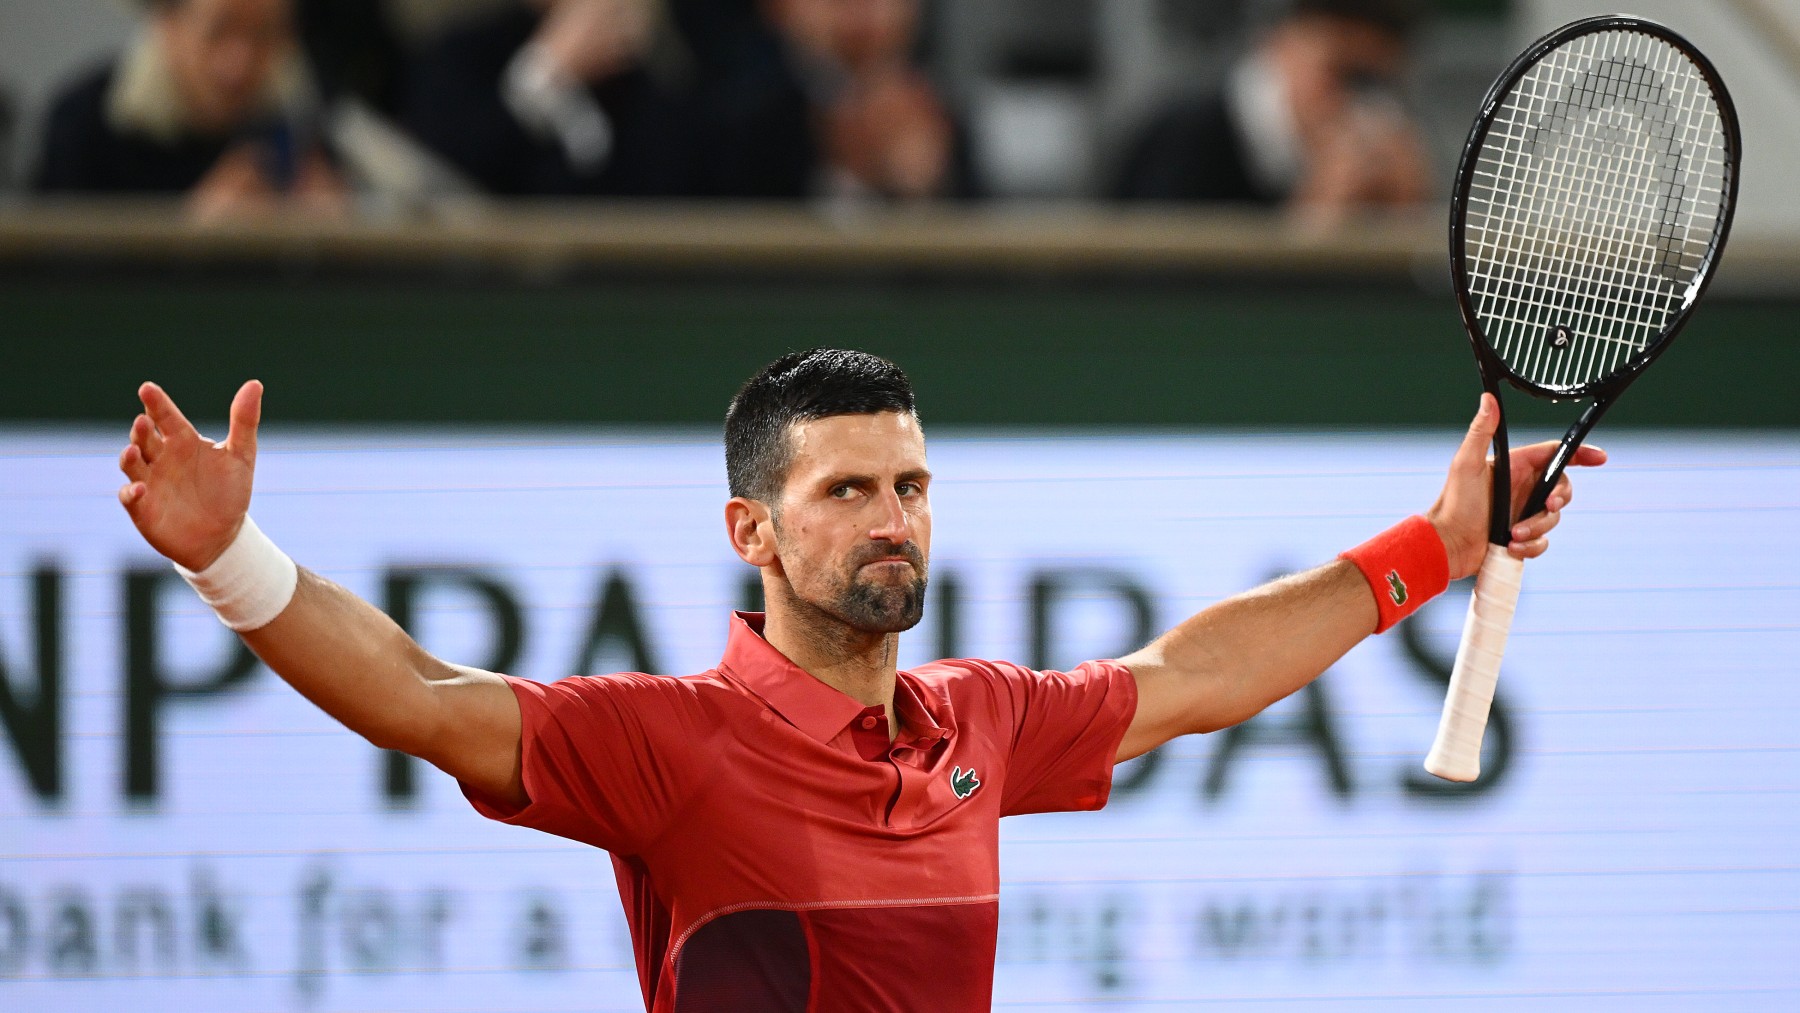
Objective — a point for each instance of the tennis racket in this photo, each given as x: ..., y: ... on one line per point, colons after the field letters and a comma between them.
x: 1592, y: 203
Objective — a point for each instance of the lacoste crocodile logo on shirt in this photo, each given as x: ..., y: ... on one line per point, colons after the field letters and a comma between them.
x: 963, y: 783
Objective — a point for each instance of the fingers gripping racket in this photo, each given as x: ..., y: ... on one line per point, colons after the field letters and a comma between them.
x: 1591, y: 207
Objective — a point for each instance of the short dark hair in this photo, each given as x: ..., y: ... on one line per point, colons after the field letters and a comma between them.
x: 799, y: 387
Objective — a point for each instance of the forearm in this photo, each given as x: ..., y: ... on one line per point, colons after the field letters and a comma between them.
x: 1228, y: 662
x: 189, y: 497
x: 355, y: 663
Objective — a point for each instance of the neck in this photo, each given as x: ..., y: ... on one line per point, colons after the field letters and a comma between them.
x: 854, y: 662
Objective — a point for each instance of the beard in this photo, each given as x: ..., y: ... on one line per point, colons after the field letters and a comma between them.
x: 874, y: 607
x: 870, y: 605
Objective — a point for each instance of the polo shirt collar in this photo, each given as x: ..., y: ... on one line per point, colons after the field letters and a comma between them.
x: 917, y: 725
x: 807, y: 703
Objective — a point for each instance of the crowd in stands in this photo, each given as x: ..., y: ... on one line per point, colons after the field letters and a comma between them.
x: 243, y: 105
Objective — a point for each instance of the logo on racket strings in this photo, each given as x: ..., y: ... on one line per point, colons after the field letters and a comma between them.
x: 963, y: 782
x: 1561, y: 337
x: 1396, y: 587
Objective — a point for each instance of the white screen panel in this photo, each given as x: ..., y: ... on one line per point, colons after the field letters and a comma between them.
x: 230, y: 848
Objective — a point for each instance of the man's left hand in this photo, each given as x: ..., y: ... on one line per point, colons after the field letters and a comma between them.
x: 1461, y: 511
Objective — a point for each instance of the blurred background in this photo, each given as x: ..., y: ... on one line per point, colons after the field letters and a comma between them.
x: 1174, y: 268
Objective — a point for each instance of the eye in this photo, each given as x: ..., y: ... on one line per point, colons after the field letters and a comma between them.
x: 910, y: 489
x: 841, y: 491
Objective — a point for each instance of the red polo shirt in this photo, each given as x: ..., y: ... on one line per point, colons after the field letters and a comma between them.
x: 775, y: 852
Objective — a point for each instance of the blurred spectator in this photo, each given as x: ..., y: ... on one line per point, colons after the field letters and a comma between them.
x: 1311, y: 117
x: 9, y: 121
x: 415, y: 21
x: 211, y: 100
x: 558, y: 97
x: 835, y: 105
x: 353, y: 50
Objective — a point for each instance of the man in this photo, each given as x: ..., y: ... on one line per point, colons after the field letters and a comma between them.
x: 1309, y: 119
x: 804, y: 827
x: 829, y: 102
x: 211, y: 101
x: 557, y: 97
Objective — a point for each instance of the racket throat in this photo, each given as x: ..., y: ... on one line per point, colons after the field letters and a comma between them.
x: 1500, y: 489
x: 1565, y: 452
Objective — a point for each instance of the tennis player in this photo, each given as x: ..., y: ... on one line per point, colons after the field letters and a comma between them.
x: 803, y: 827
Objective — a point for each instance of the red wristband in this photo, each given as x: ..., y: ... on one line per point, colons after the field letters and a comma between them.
x: 1405, y: 566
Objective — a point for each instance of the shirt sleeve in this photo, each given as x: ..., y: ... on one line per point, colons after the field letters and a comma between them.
x: 606, y: 760
x: 1067, y: 727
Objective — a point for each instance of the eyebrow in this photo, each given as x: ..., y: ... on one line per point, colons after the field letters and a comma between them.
x: 913, y: 475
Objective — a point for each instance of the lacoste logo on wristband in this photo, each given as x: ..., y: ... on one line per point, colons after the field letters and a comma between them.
x: 964, y: 784
x: 1412, y: 544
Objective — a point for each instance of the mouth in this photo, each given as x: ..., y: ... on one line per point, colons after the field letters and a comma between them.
x: 892, y: 558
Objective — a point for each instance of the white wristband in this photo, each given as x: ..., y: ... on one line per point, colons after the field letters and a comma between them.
x: 250, y: 583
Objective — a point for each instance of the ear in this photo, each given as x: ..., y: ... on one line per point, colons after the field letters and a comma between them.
x: 751, y: 528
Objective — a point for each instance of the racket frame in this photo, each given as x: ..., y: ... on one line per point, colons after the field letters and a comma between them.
x: 1456, y: 752
x: 1605, y: 390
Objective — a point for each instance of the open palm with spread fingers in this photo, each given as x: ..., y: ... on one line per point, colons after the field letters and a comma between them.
x: 187, y: 494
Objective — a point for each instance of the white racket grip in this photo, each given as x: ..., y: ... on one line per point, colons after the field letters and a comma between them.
x: 1456, y: 753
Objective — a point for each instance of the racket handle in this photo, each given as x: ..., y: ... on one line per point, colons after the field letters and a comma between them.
x: 1456, y: 753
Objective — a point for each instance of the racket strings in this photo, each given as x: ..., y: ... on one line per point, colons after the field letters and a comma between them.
x: 1593, y: 206
x: 1594, y: 183
x: 1599, y: 187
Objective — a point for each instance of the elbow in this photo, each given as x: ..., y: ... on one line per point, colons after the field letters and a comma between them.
x: 1227, y: 714
x: 1218, y: 720
x: 411, y: 740
x: 1208, y: 726
x: 414, y: 731
x: 414, y: 721
x: 400, y: 737
x: 394, y: 739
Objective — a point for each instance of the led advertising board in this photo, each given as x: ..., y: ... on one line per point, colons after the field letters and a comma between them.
x: 179, y: 830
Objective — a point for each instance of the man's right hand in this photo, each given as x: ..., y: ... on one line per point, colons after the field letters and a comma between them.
x: 187, y: 495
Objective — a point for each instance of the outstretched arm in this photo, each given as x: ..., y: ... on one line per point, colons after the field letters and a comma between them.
x: 1225, y: 664
x: 189, y: 498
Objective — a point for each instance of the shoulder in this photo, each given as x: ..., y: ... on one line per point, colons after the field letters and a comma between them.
x: 631, y: 705
x: 963, y: 673
x: 82, y: 100
x: 79, y: 148
x: 688, y: 688
x: 962, y: 681
x: 1175, y: 154
x: 1195, y: 121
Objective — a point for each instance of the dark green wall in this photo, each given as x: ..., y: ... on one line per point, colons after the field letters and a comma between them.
x: 982, y: 353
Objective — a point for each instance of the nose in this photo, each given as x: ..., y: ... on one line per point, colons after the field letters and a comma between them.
x: 893, y: 524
